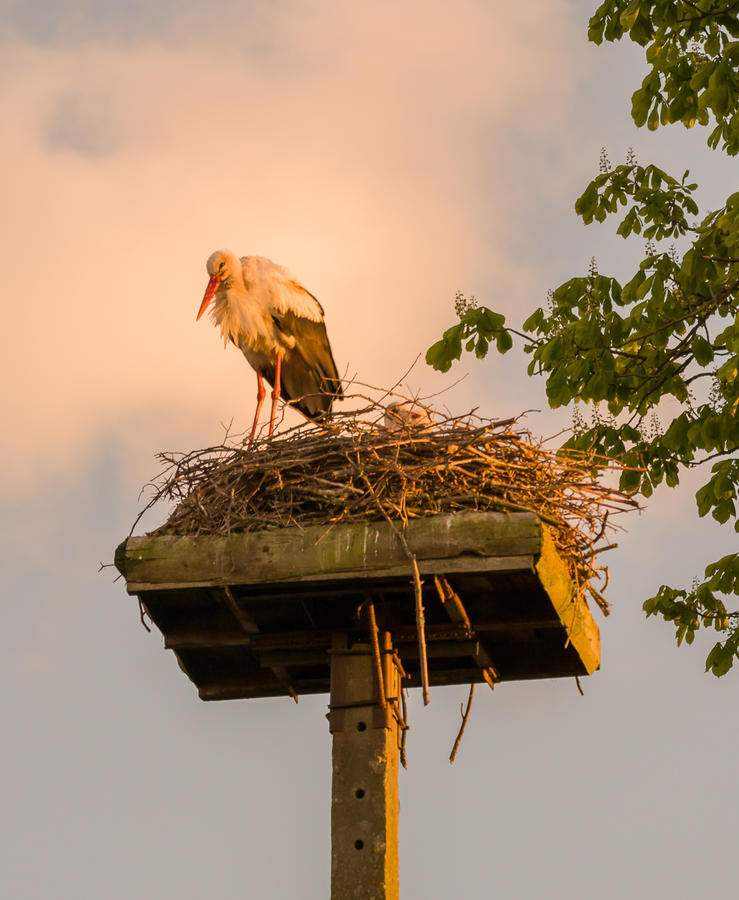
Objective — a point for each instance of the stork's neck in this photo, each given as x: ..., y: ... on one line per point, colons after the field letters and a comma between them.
x: 239, y: 316
x: 231, y: 279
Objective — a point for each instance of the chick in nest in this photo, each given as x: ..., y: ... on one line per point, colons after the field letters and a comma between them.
x: 407, y: 415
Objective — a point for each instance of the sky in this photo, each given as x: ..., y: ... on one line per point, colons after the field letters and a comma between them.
x: 390, y: 155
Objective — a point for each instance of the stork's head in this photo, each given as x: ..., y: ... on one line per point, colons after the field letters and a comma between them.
x: 406, y: 416
x: 222, y: 266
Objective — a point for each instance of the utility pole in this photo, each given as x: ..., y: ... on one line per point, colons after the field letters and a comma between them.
x: 365, y: 722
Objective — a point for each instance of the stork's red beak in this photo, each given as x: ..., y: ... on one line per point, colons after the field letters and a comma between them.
x: 209, y: 291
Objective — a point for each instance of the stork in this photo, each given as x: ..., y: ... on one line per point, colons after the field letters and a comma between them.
x: 407, y: 416
x: 278, y: 326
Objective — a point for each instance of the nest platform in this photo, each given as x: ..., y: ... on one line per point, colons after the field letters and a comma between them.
x: 255, y: 614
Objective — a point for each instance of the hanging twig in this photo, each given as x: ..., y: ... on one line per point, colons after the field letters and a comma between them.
x: 418, y: 589
x: 143, y: 612
x: 421, y: 629
x: 375, y: 641
x: 465, y: 715
x: 403, y: 728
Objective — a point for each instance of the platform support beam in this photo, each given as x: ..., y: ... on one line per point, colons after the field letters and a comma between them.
x: 364, y: 794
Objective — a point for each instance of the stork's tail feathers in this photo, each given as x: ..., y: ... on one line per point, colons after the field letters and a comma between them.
x: 318, y: 406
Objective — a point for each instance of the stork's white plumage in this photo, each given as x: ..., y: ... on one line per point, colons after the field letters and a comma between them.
x: 278, y: 326
x: 407, y: 415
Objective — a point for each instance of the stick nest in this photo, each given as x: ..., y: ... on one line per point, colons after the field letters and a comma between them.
x: 354, y: 469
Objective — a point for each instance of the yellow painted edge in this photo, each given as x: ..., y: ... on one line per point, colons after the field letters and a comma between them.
x: 573, y: 614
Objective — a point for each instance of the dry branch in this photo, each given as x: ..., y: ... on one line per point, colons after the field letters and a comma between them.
x: 465, y: 716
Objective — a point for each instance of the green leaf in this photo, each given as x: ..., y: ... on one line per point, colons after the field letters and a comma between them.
x: 535, y: 321
x: 721, y: 658
x: 504, y: 341
x: 585, y: 204
x: 702, y: 350
x: 438, y: 357
x: 630, y: 481
x: 628, y: 17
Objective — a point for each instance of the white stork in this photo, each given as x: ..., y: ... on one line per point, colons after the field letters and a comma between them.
x: 278, y: 326
x: 407, y: 416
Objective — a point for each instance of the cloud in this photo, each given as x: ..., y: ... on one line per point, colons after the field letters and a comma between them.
x: 81, y: 123
x: 71, y: 22
x: 356, y: 146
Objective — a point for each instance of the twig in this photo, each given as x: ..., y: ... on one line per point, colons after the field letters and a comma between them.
x: 465, y: 716
x: 418, y: 587
x: 403, y: 728
x: 421, y: 629
x: 142, y: 612
x: 379, y: 678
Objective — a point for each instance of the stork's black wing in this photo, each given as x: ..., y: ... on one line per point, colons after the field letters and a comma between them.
x: 310, y: 379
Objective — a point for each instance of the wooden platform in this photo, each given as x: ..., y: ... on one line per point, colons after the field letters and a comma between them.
x: 253, y: 615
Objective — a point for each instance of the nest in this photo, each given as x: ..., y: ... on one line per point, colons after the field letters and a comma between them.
x: 358, y: 469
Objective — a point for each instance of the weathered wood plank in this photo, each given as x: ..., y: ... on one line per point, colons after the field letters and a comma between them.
x: 573, y: 613
x: 457, y: 613
x: 200, y: 637
x: 250, y: 628
x: 444, y: 566
x: 465, y: 541
x: 314, y: 657
x: 549, y: 664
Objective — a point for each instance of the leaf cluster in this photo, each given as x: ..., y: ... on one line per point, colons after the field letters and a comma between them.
x: 692, y: 49
x: 630, y: 346
x: 477, y: 327
x: 704, y: 606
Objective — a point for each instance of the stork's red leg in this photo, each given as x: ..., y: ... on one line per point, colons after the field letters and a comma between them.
x: 261, y: 394
x: 276, y: 391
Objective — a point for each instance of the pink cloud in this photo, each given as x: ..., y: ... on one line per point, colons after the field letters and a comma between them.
x: 357, y: 152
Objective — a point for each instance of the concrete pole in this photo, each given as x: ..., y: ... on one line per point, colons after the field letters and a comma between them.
x: 364, y: 795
